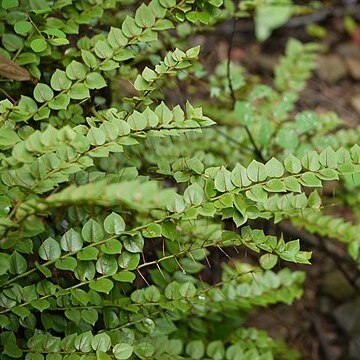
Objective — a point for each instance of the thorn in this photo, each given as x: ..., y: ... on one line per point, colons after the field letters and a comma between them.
x: 161, y: 272
x: 223, y: 251
x: 207, y: 259
x: 182, y: 269
x: 191, y: 255
x: 142, y: 276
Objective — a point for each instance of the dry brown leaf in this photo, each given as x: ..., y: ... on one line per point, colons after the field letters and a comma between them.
x: 10, y: 70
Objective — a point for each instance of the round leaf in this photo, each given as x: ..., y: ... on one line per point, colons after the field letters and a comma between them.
x: 101, y: 285
x: 268, y: 261
x: 43, y: 93
x: 114, y: 224
x: 123, y: 351
x: 71, y: 241
x: 38, y: 45
x: 101, y: 342
x: 50, y: 249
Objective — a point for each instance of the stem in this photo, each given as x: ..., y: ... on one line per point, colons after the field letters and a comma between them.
x: 232, y: 92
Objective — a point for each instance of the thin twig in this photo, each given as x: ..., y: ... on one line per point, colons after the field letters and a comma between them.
x: 232, y: 92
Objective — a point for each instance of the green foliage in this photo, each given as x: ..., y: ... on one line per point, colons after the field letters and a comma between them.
x: 272, y: 14
x: 269, y: 15
x: 114, y: 199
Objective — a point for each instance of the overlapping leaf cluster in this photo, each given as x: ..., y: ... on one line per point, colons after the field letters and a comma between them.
x: 115, y: 202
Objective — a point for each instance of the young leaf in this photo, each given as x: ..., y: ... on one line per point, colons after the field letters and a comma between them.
x: 101, y: 285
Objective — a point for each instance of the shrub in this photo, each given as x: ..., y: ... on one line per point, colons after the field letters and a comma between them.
x: 115, y: 200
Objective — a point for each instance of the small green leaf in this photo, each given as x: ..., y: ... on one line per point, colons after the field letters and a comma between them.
x: 38, y: 45
x: 114, y: 224
x: 144, y: 350
x: 59, y: 81
x: 5, y: 263
x: 81, y: 296
x: 4, y: 321
x: 101, y: 342
x: 75, y: 70
x: 168, y: 3
x: 44, y: 270
x: 140, y: 84
x: 311, y: 161
x: 18, y: 264
x: 137, y: 121
x: 68, y: 263
x: 23, y: 27
x: 100, y: 355
x: 89, y: 58
x: 43, y: 93
x: 223, y: 180
x: 116, y: 38
x: 94, y: 80
x: 88, y: 253
x: 195, y: 349
x: 12, y: 350
x: 83, y: 341
x: 292, y: 164
x: 92, y: 231
x: 314, y: 200
x: 310, y: 179
x: 71, y: 241
x: 106, y: 265
x: 144, y: 17
x: 215, y: 349
x: 244, y: 112
x: 194, y: 194
x: 112, y: 247
x: 256, y: 171
x: 21, y: 311
x: 59, y: 102
x: 187, y: 290
x: 275, y: 185
x: 239, y: 176
x: 268, y: 261
x: 152, y: 231
x: 128, y: 260
x: 79, y: 92
x: 103, y: 50
x: 50, y: 249
x: 8, y: 137
x: 129, y: 27
x: 102, y: 285
x: 274, y: 168
x: 40, y: 304
x: 124, y: 276
x: 328, y: 158
x: 123, y: 351
x: 90, y: 316
x: 134, y: 244
x: 96, y: 136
